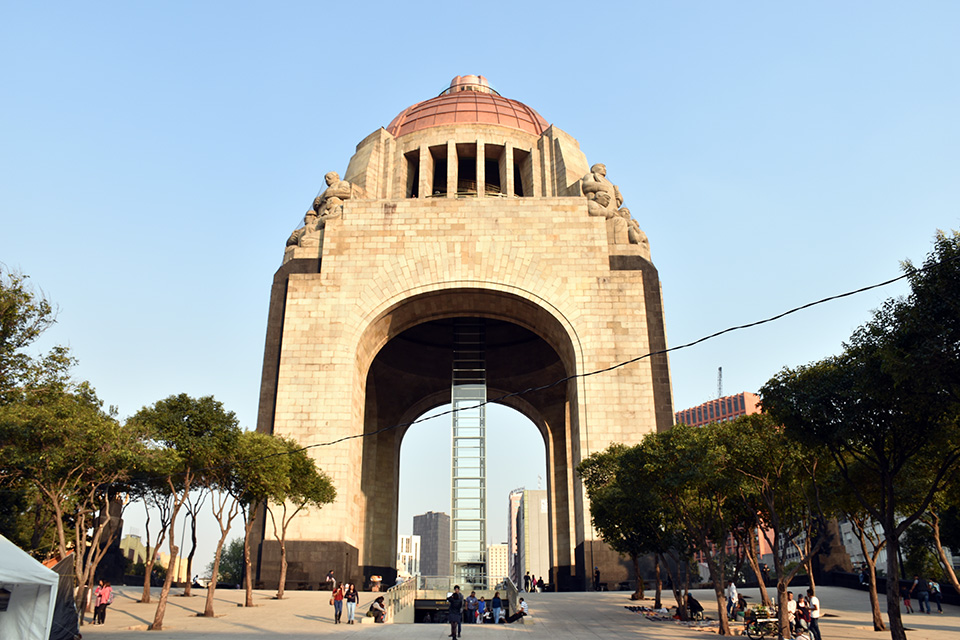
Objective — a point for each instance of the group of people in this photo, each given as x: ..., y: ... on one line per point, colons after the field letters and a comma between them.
x: 804, y: 613
x: 348, y: 593
x: 532, y: 583
x: 471, y: 610
x: 923, y: 590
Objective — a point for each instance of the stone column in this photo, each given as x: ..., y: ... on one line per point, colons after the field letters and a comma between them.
x: 507, y: 182
x: 481, y: 169
x: 426, y: 172
x: 453, y: 169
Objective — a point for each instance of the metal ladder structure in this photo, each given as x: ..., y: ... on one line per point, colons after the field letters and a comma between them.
x: 468, y: 476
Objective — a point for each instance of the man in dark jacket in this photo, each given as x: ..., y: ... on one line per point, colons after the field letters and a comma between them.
x: 456, y: 611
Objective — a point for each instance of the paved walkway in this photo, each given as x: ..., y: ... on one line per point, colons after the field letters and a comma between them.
x: 304, y: 615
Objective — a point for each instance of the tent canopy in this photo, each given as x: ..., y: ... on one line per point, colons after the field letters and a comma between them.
x: 32, y: 590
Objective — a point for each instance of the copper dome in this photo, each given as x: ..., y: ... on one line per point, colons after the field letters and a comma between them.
x: 469, y: 100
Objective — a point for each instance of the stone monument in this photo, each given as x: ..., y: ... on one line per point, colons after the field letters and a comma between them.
x: 471, y: 206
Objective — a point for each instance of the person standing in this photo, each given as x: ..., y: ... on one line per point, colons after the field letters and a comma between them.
x: 455, y: 612
x: 351, y: 596
x: 815, y: 612
x: 496, y: 605
x: 596, y: 578
x: 526, y: 582
x: 104, y: 598
x: 472, y: 607
x: 920, y: 590
x: 732, y: 599
x: 481, y: 609
x: 803, y: 614
x: 791, y: 611
x: 337, y: 604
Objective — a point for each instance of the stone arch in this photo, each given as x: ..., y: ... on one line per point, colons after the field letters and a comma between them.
x: 530, y: 346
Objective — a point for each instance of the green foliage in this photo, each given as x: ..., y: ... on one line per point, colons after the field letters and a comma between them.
x: 887, y: 409
x: 627, y: 521
x: 197, y: 433
x: 24, y: 316
x: 231, y: 563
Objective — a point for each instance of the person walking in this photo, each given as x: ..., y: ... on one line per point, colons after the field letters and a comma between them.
x: 496, y: 604
x: 596, y: 578
x: 481, y: 609
x: 351, y: 596
x: 814, y: 614
x: 937, y: 596
x: 331, y: 581
x: 337, y: 601
x: 920, y: 590
x: 455, y: 612
x: 526, y: 582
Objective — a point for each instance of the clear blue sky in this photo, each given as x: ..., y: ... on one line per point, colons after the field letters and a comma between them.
x: 155, y: 156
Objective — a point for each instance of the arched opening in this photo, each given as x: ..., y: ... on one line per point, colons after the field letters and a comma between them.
x: 516, y: 459
x: 529, y: 357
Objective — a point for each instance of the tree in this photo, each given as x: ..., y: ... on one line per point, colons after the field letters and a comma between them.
x: 871, y: 543
x: 78, y: 458
x: 891, y: 400
x: 780, y: 487
x: 24, y: 316
x: 944, y: 512
x: 194, y: 504
x: 195, y: 431
x: 691, y: 468
x: 152, y: 489
x: 622, y: 520
x: 306, y: 487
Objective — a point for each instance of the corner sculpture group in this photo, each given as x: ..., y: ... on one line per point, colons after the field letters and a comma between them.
x: 603, y: 200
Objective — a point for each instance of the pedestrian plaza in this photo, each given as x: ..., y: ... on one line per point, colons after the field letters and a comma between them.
x: 303, y: 615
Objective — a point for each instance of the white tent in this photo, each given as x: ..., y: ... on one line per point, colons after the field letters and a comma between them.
x: 33, y: 591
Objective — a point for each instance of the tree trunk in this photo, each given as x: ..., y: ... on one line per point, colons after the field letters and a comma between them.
x: 751, y: 553
x: 656, y: 573
x: 716, y: 577
x: 874, y: 597
x: 193, y: 550
x: 897, y: 631
x: 934, y: 523
x: 148, y: 570
x: 808, y: 563
x: 638, y: 594
x: 675, y: 587
x: 283, y: 565
x: 174, y: 550
x: 165, y: 591
x: 247, y: 561
x: 212, y: 587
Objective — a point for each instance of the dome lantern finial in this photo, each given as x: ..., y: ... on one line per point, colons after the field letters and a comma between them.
x: 469, y: 83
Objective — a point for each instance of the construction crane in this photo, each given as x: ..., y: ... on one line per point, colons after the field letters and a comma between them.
x: 719, y: 382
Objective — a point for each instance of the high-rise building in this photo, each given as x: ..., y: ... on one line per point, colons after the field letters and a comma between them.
x: 408, y: 556
x: 496, y: 564
x: 512, y: 542
x: 434, y: 531
x: 719, y: 410
x: 532, y: 535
